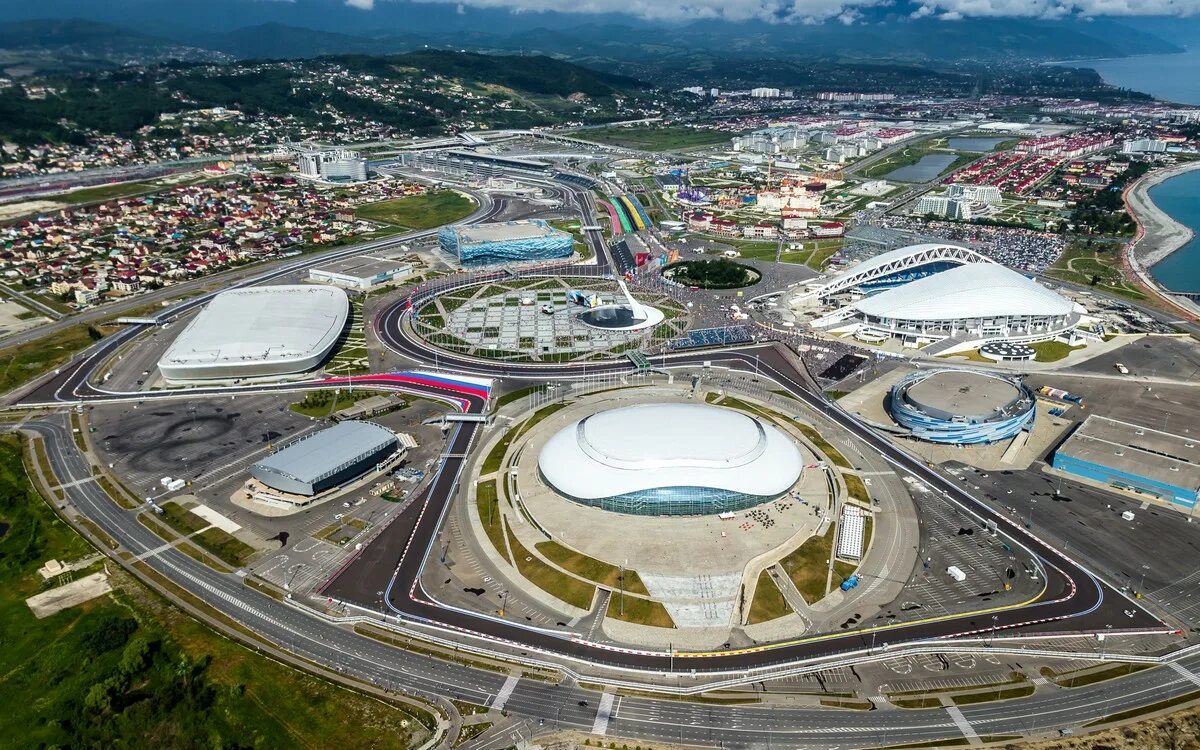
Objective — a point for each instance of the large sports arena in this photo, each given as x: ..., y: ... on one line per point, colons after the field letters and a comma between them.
x: 943, y: 295
x: 962, y: 407
x: 670, y: 460
x: 258, y: 332
x: 504, y: 242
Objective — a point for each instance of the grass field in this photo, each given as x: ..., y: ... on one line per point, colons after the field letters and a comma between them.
x: 988, y: 696
x: 551, y: 580
x: 487, y: 503
x: 815, y: 255
x: 130, y: 670
x: 320, y: 404
x: 105, y: 192
x: 655, y: 138
x: 496, y: 455
x: 856, y: 489
x: 824, y: 446
x: 1097, y: 265
x: 808, y: 565
x: 1052, y: 351
x: 220, y: 543
x: 24, y: 362
x: 426, y: 211
x: 768, y: 603
x: 639, y: 612
x: 582, y: 565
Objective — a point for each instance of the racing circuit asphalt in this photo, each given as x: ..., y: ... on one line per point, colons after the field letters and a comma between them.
x: 395, y: 559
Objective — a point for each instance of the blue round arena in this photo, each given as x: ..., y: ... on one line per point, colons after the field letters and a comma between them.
x: 962, y: 407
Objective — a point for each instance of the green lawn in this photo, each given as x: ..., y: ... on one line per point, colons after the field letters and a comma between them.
x: 24, y: 362
x: 1052, y: 351
x: 989, y: 696
x: 814, y: 255
x: 130, y: 670
x: 824, y: 445
x: 639, y: 612
x: 320, y: 404
x: 592, y: 569
x: 1097, y: 263
x: 856, y: 489
x: 549, y: 579
x: 808, y: 565
x: 655, y: 137
x: 220, y: 543
x: 768, y: 603
x: 432, y: 209
x: 496, y: 456
x: 488, y: 504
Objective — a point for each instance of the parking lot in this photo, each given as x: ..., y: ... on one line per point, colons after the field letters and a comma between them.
x: 1086, y: 523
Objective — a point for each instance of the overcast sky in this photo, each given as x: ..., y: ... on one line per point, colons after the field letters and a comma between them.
x: 824, y: 10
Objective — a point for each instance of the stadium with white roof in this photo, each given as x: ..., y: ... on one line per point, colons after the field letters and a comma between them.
x: 670, y: 460
x: 258, y: 332
x: 945, y: 295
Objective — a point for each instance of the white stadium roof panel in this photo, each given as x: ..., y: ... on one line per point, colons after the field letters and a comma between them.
x: 976, y: 290
x: 259, y: 331
x: 642, y: 447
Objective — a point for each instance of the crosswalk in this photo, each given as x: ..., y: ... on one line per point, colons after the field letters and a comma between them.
x: 505, y: 692
x: 964, y: 726
x: 603, y: 713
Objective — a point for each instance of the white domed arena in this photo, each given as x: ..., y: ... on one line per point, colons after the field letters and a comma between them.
x: 670, y: 460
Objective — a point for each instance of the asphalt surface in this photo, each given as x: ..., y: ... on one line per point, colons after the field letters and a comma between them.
x: 568, y: 706
x: 1074, y: 600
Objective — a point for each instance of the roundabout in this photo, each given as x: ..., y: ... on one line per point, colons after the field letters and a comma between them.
x: 384, y: 617
x: 718, y: 273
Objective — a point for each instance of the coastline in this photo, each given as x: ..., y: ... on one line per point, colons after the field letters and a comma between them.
x: 1159, y: 234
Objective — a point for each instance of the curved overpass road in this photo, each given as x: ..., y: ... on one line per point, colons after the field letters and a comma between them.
x: 559, y: 706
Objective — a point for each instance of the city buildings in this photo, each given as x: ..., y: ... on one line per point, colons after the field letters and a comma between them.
x: 258, y: 332
x: 670, y: 460
x: 531, y: 239
x: 336, y: 165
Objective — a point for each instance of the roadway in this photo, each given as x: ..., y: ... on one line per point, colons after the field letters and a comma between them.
x: 568, y: 706
x: 1074, y: 600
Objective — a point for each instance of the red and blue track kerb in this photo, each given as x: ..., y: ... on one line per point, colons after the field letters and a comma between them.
x: 457, y: 388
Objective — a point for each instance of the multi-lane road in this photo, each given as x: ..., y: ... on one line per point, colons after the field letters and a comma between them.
x: 1073, y: 601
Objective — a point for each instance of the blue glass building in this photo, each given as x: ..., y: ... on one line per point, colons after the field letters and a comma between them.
x: 506, y: 242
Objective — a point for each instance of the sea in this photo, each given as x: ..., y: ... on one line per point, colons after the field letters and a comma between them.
x: 1174, y: 78
x: 1171, y: 77
x: 1179, y: 198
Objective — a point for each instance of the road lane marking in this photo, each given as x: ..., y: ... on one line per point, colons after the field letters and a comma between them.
x: 603, y: 712
x: 505, y: 691
x: 1185, y: 673
x: 963, y: 725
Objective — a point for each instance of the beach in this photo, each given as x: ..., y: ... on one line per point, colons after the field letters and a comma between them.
x: 1159, y: 235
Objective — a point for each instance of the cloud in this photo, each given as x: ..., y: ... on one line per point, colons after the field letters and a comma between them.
x: 816, y: 11
x: 809, y: 11
x: 951, y: 9
x: 361, y: 4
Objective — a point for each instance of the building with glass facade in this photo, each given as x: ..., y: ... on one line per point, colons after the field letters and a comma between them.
x: 670, y: 460
x: 506, y: 242
x: 962, y: 407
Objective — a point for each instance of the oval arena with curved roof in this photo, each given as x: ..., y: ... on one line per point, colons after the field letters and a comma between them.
x: 961, y: 407
x: 258, y: 332
x: 670, y: 460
